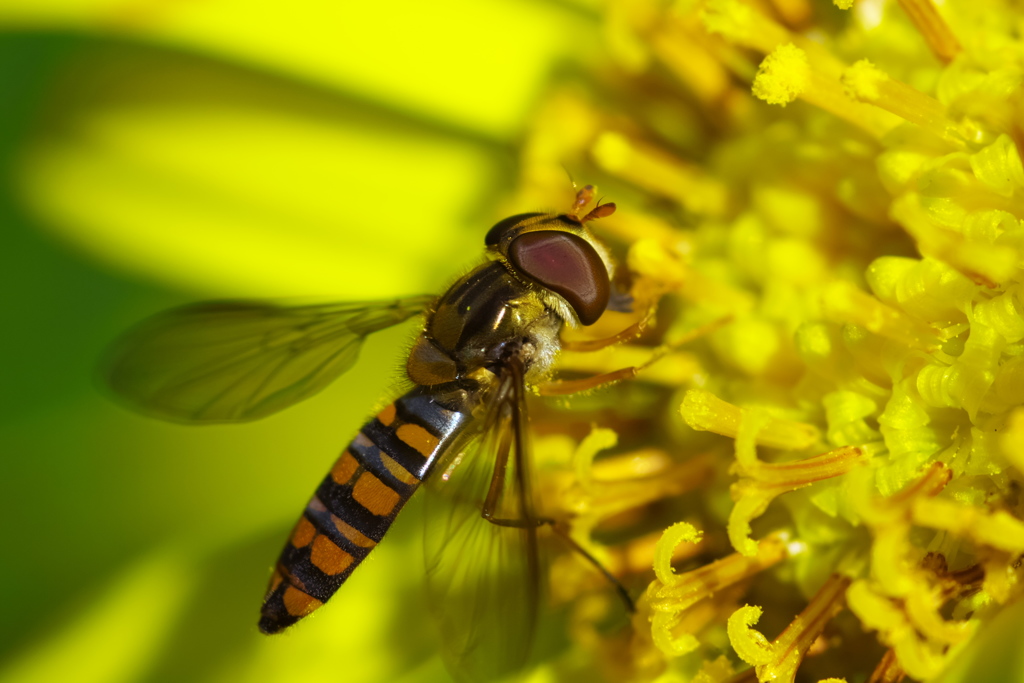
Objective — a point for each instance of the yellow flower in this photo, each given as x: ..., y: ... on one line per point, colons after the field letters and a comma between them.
x: 837, y: 285
x: 864, y: 244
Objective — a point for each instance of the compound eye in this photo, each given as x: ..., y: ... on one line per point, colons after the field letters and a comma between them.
x: 567, y: 265
x: 500, y: 228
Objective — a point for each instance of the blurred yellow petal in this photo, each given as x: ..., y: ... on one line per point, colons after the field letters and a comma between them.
x: 218, y: 179
x: 446, y: 60
x: 121, y: 631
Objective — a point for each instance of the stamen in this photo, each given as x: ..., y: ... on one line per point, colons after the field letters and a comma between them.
x: 779, y: 660
x: 888, y: 669
x: 846, y: 413
x: 794, y: 12
x: 716, y: 294
x: 610, y: 486
x: 610, y: 497
x: 966, y: 382
x: 659, y: 269
x: 906, y: 595
x: 935, y: 30
x: 677, y: 46
x: 1000, y: 581
x: 889, y: 517
x: 783, y: 75
x: 842, y: 302
x: 653, y: 169
x: 717, y: 670
x: 923, y: 611
x: 999, y: 167
x: 763, y: 482
x: 613, y: 487
x: 704, y: 411
x: 671, y: 596
x: 924, y: 288
x: 636, y: 226
x: 786, y: 73
x: 865, y: 82
x: 1003, y: 314
x: 919, y: 657
x: 741, y: 24
x: 637, y: 556
x: 820, y: 346
x: 998, y: 529
x: 985, y: 264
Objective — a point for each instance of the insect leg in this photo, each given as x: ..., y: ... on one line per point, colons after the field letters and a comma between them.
x: 497, y: 479
x: 565, y: 387
x: 511, y: 442
x: 563, y: 533
x: 631, y: 332
x: 560, y: 530
x: 575, y: 386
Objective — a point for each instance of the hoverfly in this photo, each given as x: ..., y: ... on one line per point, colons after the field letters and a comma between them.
x: 460, y: 429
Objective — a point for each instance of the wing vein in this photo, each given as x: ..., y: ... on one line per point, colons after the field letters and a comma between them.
x: 235, y: 361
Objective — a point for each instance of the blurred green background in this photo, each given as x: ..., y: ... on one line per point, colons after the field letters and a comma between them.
x: 160, y: 152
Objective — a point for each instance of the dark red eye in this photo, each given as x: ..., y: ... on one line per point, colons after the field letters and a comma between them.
x: 567, y: 265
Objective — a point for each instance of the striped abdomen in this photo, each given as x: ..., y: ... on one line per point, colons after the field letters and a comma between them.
x: 359, y: 499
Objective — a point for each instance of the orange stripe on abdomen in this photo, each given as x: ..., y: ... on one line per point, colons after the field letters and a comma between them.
x: 359, y: 498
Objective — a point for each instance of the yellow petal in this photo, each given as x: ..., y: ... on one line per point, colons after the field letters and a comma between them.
x: 207, y: 176
x: 447, y: 61
x: 119, y: 634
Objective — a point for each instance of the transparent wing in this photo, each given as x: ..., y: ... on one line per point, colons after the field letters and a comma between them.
x: 483, y: 576
x: 233, y: 361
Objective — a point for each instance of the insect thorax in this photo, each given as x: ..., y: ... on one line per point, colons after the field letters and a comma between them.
x: 483, y: 320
